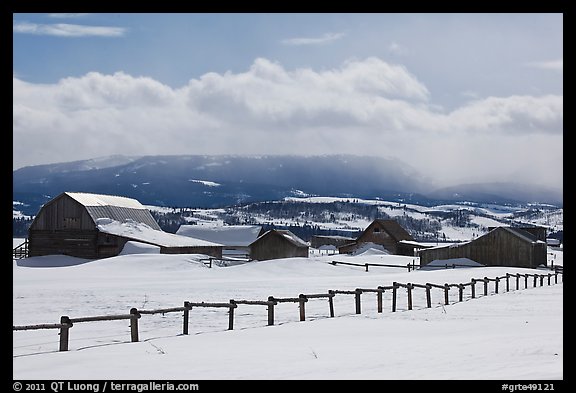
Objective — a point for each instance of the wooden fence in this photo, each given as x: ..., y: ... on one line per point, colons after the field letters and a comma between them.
x: 409, y: 266
x: 66, y: 323
x: 20, y: 251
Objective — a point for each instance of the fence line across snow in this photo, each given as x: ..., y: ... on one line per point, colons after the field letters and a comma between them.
x: 66, y: 323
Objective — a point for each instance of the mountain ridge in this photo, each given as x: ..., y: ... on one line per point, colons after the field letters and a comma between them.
x: 224, y: 180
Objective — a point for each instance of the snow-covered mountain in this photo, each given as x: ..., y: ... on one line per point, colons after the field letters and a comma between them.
x: 217, y: 181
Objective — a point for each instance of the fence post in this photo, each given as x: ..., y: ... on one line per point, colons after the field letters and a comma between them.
x: 535, y: 279
x: 496, y: 284
x: 485, y: 286
x: 366, y: 266
x: 357, y: 300
x: 134, y: 315
x: 64, y: 332
x: 187, y: 309
x: 549, y: 274
x: 555, y: 277
x: 541, y: 279
x: 473, y: 286
x: 394, y: 290
x: 302, y: 307
x: 379, y: 298
x: 446, y: 289
x: 517, y: 281
x: 408, y: 266
x: 428, y: 300
x: 409, y: 288
x: 526, y: 281
x: 331, y: 302
x: 270, y: 310
x: 460, y: 292
x: 231, y: 315
x: 507, y: 282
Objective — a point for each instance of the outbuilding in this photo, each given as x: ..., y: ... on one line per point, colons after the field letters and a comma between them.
x: 502, y: 246
x: 96, y: 226
x: 236, y: 239
x: 386, y: 233
x: 276, y: 244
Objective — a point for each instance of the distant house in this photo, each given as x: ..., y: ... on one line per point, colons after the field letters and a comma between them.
x: 276, y: 244
x: 502, y: 246
x: 236, y: 239
x: 386, y: 233
x: 98, y: 226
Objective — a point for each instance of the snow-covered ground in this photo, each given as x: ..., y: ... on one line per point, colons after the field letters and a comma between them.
x: 514, y: 335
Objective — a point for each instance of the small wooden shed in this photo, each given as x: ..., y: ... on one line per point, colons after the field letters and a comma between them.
x: 276, y: 244
x: 387, y: 233
x: 502, y: 246
x: 236, y: 239
x: 95, y: 226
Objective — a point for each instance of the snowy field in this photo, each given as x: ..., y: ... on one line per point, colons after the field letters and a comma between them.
x: 516, y: 335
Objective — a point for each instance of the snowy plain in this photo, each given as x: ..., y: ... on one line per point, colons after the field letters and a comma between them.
x: 515, y: 335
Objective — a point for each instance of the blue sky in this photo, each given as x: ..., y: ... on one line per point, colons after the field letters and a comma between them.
x: 481, y: 87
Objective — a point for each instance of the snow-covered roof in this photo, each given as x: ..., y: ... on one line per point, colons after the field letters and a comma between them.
x: 87, y: 199
x: 292, y: 238
x: 414, y: 243
x: 113, y: 207
x: 143, y: 233
x: 229, y: 235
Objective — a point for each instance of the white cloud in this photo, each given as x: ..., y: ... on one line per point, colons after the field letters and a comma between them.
x: 324, y: 39
x: 66, y: 16
x: 362, y: 107
x: 553, y: 65
x: 397, y: 49
x: 67, y: 30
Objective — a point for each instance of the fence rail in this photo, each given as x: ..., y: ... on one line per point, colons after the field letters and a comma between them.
x: 66, y: 323
x: 20, y: 251
x: 409, y: 266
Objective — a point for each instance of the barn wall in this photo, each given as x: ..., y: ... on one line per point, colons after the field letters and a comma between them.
x: 375, y: 233
x: 497, y: 248
x: 63, y: 213
x: 81, y: 244
x: 213, y: 251
x: 318, y: 241
x: 110, y: 245
x: 273, y: 246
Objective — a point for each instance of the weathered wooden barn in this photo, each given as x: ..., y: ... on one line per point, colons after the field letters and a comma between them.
x: 276, y: 244
x: 386, y: 233
x: 502, y: 246
x: 98, y: 226
x: 236, y: 239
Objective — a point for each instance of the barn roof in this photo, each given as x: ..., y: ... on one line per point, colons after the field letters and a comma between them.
x: 229, y: 235
x: 116, y: 208
x: 87, y: 199
x: 292, y: 238
x: 524, y: 235
x: 394, y: 229
x: 143, y: 233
